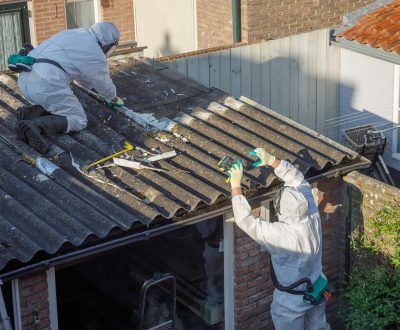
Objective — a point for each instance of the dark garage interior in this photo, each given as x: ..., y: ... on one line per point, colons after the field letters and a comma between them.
x: 105, y: 292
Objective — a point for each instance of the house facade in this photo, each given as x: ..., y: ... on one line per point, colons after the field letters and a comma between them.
x: 370, y: 72
x: 177, y: 27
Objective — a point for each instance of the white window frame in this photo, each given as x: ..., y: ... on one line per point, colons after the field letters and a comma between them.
x: 229, y: 272
x: 396, y: 112
x: 16, y: 305
x: 96, y: 8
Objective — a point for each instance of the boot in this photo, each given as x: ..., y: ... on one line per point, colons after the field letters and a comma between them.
x: 31, y: 131
x: 31, y: 112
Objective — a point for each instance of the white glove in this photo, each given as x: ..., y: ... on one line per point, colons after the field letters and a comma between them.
x: 236, y: 174
x: 265, y: 158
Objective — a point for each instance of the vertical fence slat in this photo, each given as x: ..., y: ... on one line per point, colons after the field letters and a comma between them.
x: 193, y: 68
x: 226, y: 70
x: 181, y: 66
x: 245, y: 68
x: 284, y: 74
x: 303, y: 78
x: 215, y: 70
x: 321, y: 79
x: 256, y: 72
x: 294, y: 78
x: 235, y: 72
x: 266, y: 74
x: 312, y: 81
x: 204, y: 70
x: 276, y: 76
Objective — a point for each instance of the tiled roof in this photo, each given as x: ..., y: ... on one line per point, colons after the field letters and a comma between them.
x: 70, y: 208
x: 378, y: 29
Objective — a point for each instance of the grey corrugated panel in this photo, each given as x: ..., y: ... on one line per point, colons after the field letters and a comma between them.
x: 104, y: 199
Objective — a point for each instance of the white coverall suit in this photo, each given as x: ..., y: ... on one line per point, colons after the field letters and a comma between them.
x: 295, y: 245
x: 78, y: 52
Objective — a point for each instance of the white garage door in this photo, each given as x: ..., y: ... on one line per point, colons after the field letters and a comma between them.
x: 166, y: 27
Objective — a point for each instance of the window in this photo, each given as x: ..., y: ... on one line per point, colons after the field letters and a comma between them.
x: 14, y: 30
x: 80, y: 13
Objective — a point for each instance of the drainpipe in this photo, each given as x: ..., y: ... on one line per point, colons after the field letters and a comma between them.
x: 236, y: 26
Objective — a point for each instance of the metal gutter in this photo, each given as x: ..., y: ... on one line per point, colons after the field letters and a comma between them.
x: 367, y: 50
x: 236, y: 24
x: 123, y: 241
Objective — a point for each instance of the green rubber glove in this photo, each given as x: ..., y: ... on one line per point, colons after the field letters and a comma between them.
x: 264, y: 157
x: 235, y: 174
x: 111, y: 103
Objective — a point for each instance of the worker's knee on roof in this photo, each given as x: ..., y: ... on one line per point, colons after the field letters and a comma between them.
x: 76, y: 123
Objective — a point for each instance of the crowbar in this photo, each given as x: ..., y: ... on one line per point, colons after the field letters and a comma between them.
x: 127, y: 147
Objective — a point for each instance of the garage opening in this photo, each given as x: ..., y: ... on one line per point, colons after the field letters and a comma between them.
x: 107, y: 292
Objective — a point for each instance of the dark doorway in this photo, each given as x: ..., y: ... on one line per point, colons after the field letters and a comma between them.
x: 104, y: 293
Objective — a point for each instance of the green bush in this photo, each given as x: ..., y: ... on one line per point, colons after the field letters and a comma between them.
x: 373, y: 299
x: 372, y: 294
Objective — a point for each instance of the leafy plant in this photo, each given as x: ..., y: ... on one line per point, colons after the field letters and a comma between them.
x: 384, y: 233
x: 372, y: 295
x: 373, y: 300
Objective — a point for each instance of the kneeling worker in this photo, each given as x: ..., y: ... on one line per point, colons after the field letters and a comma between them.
x: 75, y: 54
x: 294, y: 242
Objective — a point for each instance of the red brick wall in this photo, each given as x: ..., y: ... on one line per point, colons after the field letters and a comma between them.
x: 214, y: 23
x: 120, y: 12
x: 34, y: 302
x: 272, y: 19
x: 48, y: 18
x: 254, y: 287
x: 268, y: 19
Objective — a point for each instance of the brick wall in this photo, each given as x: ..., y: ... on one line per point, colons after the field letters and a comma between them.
x: 34, y: 302
x: 367, y: 196
x: 272, y: 19
x: 214, y: 23
x: 268, y: 19
x: 253, y: 285
x: 48, y: 18
x: 120, y: 12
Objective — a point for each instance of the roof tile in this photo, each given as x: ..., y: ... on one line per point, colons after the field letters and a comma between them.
x: 377, y: 29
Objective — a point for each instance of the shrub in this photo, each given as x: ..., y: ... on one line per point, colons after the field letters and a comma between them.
x: 373, y: 299
x: 372, y: 294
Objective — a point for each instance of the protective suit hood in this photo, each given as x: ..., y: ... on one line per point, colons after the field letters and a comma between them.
x: 293, y: 206
x: 106, y: 33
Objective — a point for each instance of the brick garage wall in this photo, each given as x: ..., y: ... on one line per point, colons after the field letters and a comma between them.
x: 120, y: 12
x: 48, y: 18
x: 253, y: 284
x: 214, y: 23
x: 34, y: 302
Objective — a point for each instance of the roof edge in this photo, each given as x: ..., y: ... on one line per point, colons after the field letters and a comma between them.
x: 123, y: 241
x: 377, y: 53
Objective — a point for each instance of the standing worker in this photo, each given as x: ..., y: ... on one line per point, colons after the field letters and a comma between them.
x: 294, y: 242
x: 75, y: 54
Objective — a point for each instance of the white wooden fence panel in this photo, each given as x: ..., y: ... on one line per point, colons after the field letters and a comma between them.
x: 294, y: 78
x: 297, y: 76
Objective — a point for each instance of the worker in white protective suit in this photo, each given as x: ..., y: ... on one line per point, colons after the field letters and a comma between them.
x: 294, y: 242
x: 75, y: 54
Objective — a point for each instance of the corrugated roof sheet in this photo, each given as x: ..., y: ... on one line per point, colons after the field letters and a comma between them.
x: 378, y: 29
x: 43, y: 214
